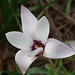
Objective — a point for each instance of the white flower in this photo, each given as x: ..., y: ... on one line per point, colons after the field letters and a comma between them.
x: 34, y: 41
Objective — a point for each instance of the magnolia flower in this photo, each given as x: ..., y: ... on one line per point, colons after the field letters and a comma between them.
x: 34, y: 41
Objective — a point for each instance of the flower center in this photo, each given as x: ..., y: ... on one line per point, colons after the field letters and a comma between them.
x: 36, y: 45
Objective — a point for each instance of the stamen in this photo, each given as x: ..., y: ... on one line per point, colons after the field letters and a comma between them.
x: 36, y: 45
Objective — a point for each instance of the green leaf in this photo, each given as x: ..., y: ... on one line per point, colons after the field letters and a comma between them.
x: 7, y: 7
x: 34, y: 7
x: 37, y: 71
x: 59, y: 71
x: 68, y: 7
x: 10, y: 73
x: 4, y: 10
x: 49, y: 68
x: 60, y: 63
x: 18, y: 69
x: 51, y: 72
x: 56, y: 62
x: 10, y: 68
x: 0, y: 73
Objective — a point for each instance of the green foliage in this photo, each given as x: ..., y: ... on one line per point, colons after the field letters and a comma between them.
x: 53, y: 1
x: 18, y: 69
x: 50, y: 69
x: 9, y: 10
x: 34, y: 7
x: 9, y: 73
x: 37, y: 71
x: 10, y: 67
x: 68, y: 7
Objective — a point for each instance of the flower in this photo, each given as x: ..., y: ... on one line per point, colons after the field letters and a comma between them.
x: 34, y: 41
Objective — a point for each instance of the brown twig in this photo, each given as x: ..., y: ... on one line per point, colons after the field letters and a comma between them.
x: 57, y: 8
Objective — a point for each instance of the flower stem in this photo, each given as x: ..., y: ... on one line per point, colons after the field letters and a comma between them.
x: 50, y: 61
x: 42, y: 12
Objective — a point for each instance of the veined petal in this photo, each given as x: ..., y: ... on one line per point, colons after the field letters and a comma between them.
x: 33, y: 53
x: 42, y: 30
x: 56, y: 49
x: 72, y: 44
x: 19, y: 40
x: 29, y: 22
x: 23, y: 60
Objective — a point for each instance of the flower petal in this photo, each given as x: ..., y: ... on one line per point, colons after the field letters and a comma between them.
x: 29, y: 22
x: 33, y: 53
x: 56, y: 49
x: 72, y: 44
x: 19, y: 40
x: 23, y: 60
x: 42, y: 30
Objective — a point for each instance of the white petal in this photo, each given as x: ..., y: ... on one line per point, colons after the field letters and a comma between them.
x: 56, y: 49
x: 19, y: 40
x: 42, y: 30
x: 29, y: 22
x: 33, y: 53
x: 72, y: 44
x: 23, y: 60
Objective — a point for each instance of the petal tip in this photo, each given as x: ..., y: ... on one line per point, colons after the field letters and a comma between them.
x: 23, y: 8
x: 71, y: 43
x: 7, y: 34
x: 44, y: 17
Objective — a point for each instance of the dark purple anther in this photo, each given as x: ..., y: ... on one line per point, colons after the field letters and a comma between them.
x: 36, y: 45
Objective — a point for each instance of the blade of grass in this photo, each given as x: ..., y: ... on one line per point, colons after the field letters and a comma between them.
x: 68, y: 7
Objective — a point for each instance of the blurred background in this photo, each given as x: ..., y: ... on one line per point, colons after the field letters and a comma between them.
x: 61, y: 15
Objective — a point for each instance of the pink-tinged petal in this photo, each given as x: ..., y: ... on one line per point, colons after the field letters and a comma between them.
x: 23, y: 60
x: 42, y: 30
x: 29, y: 22
x: 19, y: 40
x: 56, y: 49
x: 33, y: 53
x: 72, y: 44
